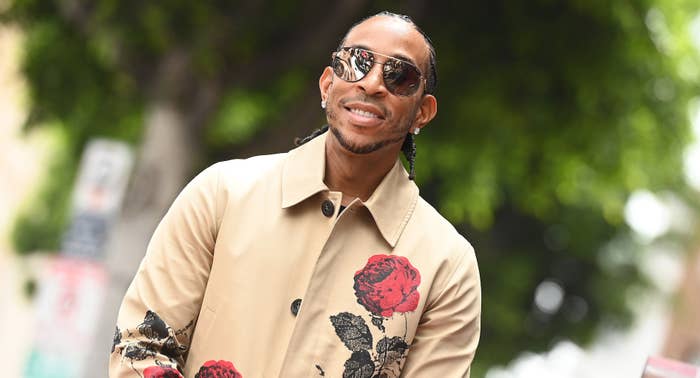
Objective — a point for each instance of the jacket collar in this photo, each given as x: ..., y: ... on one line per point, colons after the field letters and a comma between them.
x: 391, y: 204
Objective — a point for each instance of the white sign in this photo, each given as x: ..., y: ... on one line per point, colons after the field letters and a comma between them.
x: 71, y: 294
x: 99, y: 191
x: 103, y: 177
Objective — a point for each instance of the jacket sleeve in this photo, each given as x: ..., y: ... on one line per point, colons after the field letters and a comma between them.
x: 159, y: 310
x: 448, y: 332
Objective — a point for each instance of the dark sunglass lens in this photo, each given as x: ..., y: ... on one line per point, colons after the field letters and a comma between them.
x: 401, y: 78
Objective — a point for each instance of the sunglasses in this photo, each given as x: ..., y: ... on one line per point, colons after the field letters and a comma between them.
x: 401, y: 78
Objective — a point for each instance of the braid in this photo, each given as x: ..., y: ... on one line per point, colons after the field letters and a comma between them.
x: 314, y: 134
x: 409, y: 150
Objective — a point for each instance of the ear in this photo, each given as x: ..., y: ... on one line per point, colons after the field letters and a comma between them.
x: 427, y: 109
x: 324, y: 82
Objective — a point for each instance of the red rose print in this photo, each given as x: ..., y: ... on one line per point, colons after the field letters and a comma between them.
x: 218, y: 369
x: 387, y: 284
x: 161, y: 372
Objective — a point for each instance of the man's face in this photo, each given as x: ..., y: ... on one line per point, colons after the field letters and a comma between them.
x: 365, y: 116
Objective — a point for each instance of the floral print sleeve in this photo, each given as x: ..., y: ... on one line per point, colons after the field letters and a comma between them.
x: 159, y: 311
x: 153, y: 343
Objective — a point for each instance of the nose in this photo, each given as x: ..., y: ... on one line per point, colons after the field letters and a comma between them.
x: 373, y: 82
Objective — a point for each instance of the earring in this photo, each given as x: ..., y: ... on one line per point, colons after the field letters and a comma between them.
x: 416, y: 131
x: 323, y: 104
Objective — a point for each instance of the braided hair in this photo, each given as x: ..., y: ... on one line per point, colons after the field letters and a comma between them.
x: 409, y: 151
x: 299, y: 141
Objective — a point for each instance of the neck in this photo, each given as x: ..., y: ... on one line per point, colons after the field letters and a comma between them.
x: 356, y: 175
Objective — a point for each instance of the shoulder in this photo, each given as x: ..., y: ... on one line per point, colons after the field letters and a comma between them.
x: 446, y: 252
x: 237, y: 178
x: 449, y: 255
x: 428, y: 225
x: 252, y: 168
x: 241, y: 173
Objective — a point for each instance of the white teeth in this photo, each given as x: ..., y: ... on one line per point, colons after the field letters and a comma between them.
x: 364, y: 113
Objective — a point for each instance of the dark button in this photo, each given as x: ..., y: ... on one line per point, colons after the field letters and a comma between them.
x: 295, y: 306
x: 327, y: 208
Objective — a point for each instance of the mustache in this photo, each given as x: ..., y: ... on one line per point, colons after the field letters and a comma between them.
x: 366, y: 99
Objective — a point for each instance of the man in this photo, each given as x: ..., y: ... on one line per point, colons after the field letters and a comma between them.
x: 320, y: 262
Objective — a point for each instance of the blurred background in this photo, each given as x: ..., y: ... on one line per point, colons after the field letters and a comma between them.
x: 566, y: 149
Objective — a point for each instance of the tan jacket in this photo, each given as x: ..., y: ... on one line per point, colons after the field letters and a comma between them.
x: 253, y: 270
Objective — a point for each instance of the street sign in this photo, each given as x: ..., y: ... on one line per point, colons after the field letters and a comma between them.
x: 71, y: 293
x: 97, y: 197
x: 74, y: 284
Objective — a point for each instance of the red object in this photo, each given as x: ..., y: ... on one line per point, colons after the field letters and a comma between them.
x: 387, y: 284
x: 218, y: 369
x: 161, y: 372
x: 657, y: 367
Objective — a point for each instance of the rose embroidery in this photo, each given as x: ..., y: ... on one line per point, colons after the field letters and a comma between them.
x: 161, y: 372
x: 218, y: 369
x: 387, y: 284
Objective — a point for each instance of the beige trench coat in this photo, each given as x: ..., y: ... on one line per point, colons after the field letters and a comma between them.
x: 254, y: 271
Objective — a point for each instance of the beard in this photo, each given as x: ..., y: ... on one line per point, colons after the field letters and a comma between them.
x: 363, y: 149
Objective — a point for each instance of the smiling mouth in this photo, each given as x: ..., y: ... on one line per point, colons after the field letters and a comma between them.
x: 363, y: 113
x: 367, y: 114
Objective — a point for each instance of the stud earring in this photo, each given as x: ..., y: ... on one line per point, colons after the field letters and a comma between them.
x: 323, y: 104
x: 416, y: 131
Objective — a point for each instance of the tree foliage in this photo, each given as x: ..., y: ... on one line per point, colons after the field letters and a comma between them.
x: 550, y: 114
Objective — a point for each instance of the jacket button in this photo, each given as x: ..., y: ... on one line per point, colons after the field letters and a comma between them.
x: 295, y: 306
x: 327, y: 208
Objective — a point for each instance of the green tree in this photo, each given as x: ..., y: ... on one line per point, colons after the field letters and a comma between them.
x: 551, y: 114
